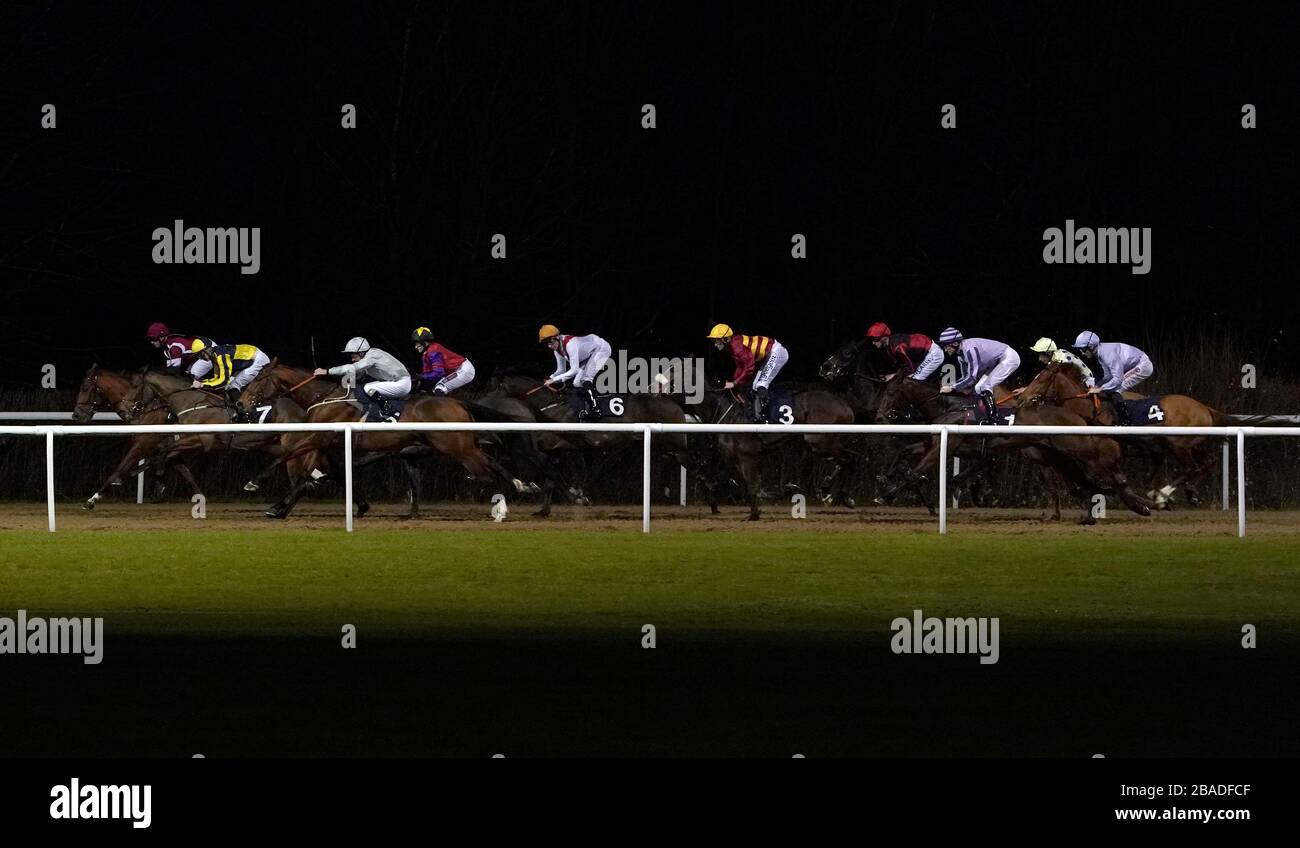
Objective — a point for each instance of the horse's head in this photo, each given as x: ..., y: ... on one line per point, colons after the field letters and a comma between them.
x: 1050, y: 385
x: 841, y: 362
x: 90, y: 397
x: 138, y: 395
x: 262, y: 389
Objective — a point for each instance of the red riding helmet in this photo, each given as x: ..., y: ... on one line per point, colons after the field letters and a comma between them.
x: 157, y: 330
x: 879, y: 330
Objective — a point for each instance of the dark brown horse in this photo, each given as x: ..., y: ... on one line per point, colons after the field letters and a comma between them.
x: 105, y: 391
x: 326, y: 401
x: 1059, y: 384
x: 1089, y: 463
x: 744, y: 451
x: 548, y: 405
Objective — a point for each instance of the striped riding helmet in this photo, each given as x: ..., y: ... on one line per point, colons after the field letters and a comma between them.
x: 950, y: 335
x: 1086, y: 339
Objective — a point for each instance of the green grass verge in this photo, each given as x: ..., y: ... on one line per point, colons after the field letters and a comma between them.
x: 791, y: 585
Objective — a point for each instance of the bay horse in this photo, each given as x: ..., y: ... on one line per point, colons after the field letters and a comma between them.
x: 1059, y: 383
x: 549, y: 405
x: 104, y: 391
x: 1089, y: 463
x: 326, y: 400
x: 745, y: 450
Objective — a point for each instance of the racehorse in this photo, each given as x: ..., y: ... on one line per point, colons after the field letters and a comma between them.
x: 104, y: 391
x: 1090, y: 463
x: 327, y: 401
x: 745, y: 450
x: 1059, y: 383
x: 185, y: 404
x: 637, y: 408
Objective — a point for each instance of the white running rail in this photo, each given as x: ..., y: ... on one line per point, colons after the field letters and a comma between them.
x: 943, y: 431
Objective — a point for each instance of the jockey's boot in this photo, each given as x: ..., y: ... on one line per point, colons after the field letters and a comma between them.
x: 390, y: 409
x: 581, y: 402
x: 990, y: 407
x: 1121, y: 408
x: 759, y: 411
x: 367, y: 404
x: 237, y: 412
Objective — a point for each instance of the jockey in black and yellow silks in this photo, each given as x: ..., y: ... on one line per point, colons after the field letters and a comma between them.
x: 233, y: 367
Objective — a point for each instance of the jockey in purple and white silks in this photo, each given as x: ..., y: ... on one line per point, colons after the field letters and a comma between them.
x: 984, y: 363
x: 1123, y: 367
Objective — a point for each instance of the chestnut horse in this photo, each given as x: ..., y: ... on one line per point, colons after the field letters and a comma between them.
x: 1090, y: 463
x: 104, y: 391
x: 1059, y: 384
x: 327, y: 401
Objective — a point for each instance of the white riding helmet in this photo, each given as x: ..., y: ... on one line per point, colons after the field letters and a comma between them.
x: 1086, y: 339
x: 356, y: 344
x: 1044, y: 345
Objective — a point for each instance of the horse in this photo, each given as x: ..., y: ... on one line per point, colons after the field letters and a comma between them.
x: 1059, y: 383
x: 104, y: 391
x: 745, y: 450
x: 185, y: 404
x: 548, y: 405
x: 326, y: 401
x: 1090, y: 463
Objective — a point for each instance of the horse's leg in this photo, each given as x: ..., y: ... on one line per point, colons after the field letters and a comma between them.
x: 412, y: 487
x: 138, y: 449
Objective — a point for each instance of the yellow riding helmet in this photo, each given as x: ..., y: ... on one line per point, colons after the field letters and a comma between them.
x: 1044, y: 345
x: 197, y: 346
x: 720, y: 331
x: 547, y: 331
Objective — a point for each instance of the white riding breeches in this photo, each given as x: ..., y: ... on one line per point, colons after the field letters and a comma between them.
x: 1137, y: 374
x: 462, y: 376
x: 587, y: 373
x: 776, y: 359
x: 243, y: 378
x: 1006, y: 366
x: 389, y: 389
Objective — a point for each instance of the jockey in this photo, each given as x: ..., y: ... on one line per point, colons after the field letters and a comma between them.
x: 178, y: 349
x: 389, y: 383
x: 757, y: 357
x: 446, y: 369
x: 985, y: 364
x: 1048, y: 352
x: 914, y: 354
x: 1123, y: 368
x: 230, y: 367
x: 577, y: 358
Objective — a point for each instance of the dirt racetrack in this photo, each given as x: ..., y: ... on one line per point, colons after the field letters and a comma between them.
x: 247, y: 515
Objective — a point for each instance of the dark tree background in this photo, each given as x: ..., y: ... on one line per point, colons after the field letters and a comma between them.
x: 524, y: 118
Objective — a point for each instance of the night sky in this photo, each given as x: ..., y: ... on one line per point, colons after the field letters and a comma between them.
x: 525, y: 119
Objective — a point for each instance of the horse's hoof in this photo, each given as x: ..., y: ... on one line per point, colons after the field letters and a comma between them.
x: 251, y: 486
x: 827, y: 500
x: 277, y: 514
x: 88, y: 506
x: 410, y: 516
x: 542, y: 513
x: 753, y: 516
x: 1143, y: 511
x: 362, y: 509
x: 879, y: 502
x: 1087, y: 520
x: 849, y: 502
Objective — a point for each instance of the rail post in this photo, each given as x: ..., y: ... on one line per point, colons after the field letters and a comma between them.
x: 682, y: 501
x: 347, y: 473
x: 1227, y: 473
x: 1241, y: 483
x: 645, y: 480
x: 943, y: 481
x: 49, y: 476
x: 139, y: 483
